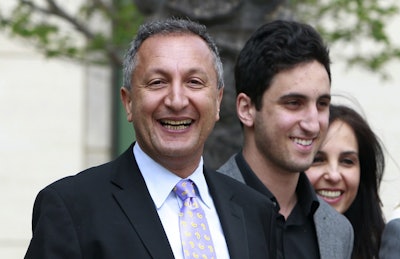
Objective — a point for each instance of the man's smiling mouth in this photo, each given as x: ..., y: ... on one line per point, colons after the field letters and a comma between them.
x: 303, y: 142
x: 176, y: 124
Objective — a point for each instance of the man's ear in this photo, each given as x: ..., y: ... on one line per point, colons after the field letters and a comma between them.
x: 219, y: 100
x: 127, y: 102
x: 245, y: 110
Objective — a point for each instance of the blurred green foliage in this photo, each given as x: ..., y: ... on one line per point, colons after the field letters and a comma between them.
x: 94, y: 31
x: 358, y: 27
x: 97, y: 31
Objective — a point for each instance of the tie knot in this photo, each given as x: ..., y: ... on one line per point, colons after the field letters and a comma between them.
x: 185, y: 189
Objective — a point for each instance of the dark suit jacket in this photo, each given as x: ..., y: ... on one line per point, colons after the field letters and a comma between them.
x: 390, y: 242
x: 107, y: 212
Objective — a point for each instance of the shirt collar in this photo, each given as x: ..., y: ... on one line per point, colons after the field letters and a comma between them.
x: 305, y: 192
x: 161, y: 186
x: 251, y: 178
x: 307, y: 197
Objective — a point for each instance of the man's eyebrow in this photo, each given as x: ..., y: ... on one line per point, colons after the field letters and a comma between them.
x: 304, y: 97
x: 325, y: 96
x: 293, y: 95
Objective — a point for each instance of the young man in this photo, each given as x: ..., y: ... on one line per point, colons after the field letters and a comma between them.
x: 132, y: 206
x: 283, y: 95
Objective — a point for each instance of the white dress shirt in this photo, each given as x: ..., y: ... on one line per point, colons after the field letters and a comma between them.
x: 160, y: 183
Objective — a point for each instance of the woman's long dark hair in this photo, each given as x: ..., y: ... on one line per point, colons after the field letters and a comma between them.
x: 365, y: 213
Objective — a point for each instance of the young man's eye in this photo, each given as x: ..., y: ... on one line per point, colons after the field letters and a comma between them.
x: 324, y: 102
x: 293, y: 103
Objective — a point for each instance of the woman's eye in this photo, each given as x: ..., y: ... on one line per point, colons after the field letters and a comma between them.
x: 348, y: 161
x: 318, y: 159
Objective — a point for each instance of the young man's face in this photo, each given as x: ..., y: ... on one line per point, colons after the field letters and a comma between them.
x: 293, y: 119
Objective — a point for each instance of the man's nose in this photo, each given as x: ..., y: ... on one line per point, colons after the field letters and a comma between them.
x: 176, y: 98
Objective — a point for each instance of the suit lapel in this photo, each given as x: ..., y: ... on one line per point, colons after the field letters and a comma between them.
x: 323, y: 233
x: 332, y: 233
x: 230, y: 214
x: 135, y: 201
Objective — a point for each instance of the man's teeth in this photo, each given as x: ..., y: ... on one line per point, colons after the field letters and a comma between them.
x: 329, y: 194
x: 176, y: 125
x: 303, y: 142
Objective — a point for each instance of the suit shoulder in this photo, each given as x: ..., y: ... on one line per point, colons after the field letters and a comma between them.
x: 335, y: 219
x: 228, y: 180
x: 389, y: 248
x: 240, y: 189
x: 87, y: 178
x: 393, y: 224
x: 231, y: 168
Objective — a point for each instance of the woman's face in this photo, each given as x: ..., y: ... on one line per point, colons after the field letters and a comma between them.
x: 335, y: 172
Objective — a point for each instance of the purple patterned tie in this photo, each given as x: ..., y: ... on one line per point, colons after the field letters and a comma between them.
x: 195, y: 235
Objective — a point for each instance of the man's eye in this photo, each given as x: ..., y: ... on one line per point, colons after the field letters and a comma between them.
x: 156, y: 83
x: 323, y: 103
x: 293, y: 103
x: 195, y: 83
